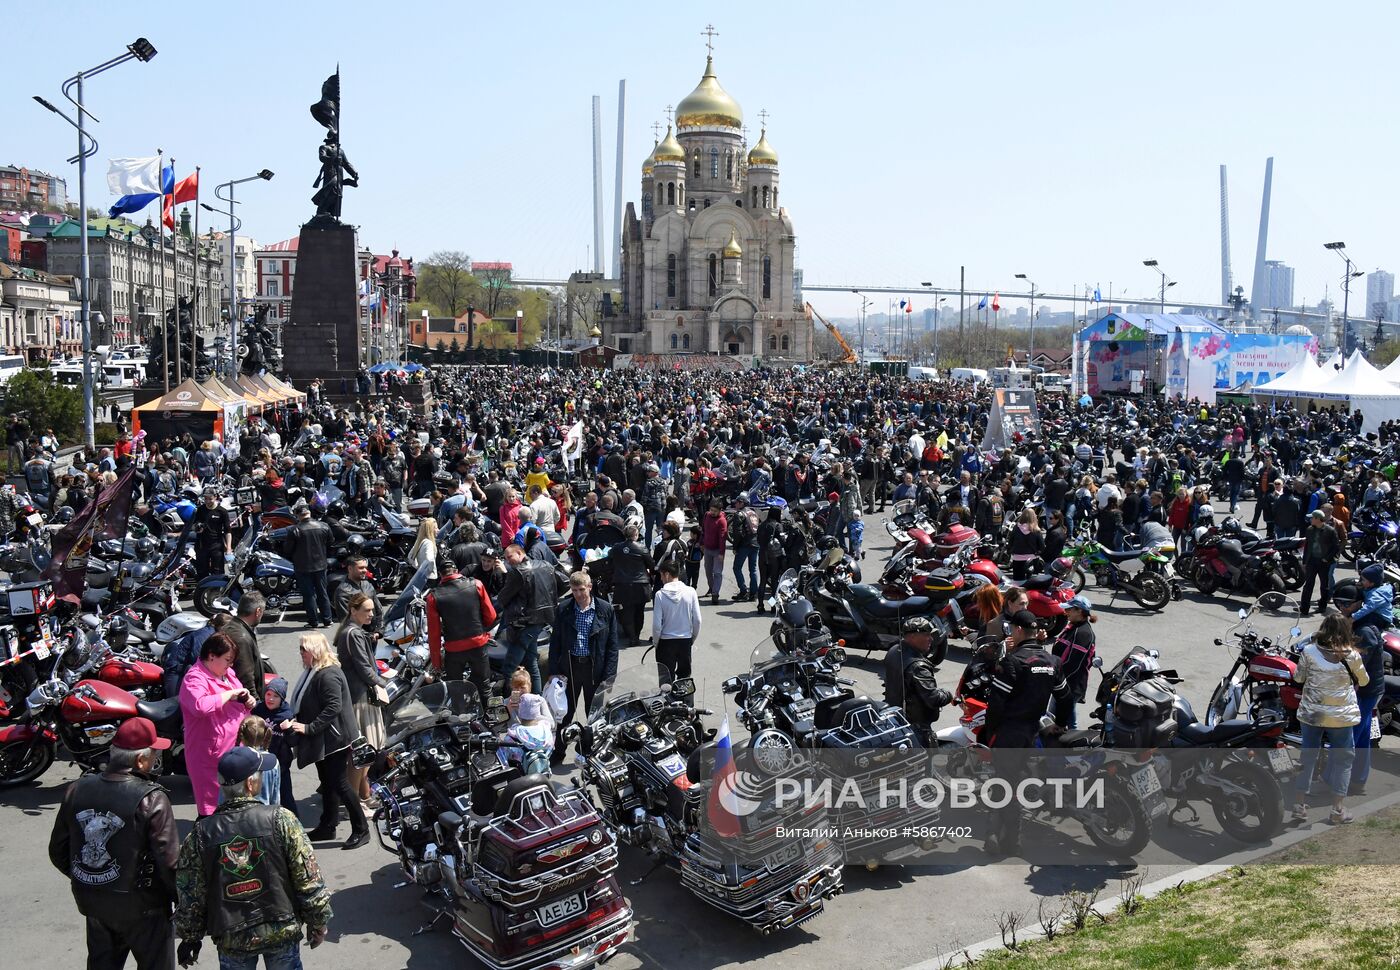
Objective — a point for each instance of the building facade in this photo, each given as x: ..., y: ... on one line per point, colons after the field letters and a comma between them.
x: 246, y: 275
x: 39, y: 314
x: 1278, y: 286
x: 133, y: 281
x: 29, y: 190
x: 1380, y: 291
x: 709, y: 261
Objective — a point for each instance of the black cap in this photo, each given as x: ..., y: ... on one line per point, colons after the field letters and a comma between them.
x: 1025, y: 619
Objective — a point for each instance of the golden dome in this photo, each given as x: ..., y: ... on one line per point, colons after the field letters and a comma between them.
x: 762, y: 153
x: 708, y: 104
x: 669, y: 150
x: 731, y: 248
x: 650, y: 161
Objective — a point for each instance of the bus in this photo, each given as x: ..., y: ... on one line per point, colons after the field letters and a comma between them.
x: 10, y: 365
x: 69, y: 375
x: 123, y: 373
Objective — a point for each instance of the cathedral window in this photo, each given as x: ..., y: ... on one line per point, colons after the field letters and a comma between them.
x: 775, y: 196
x: 773, y: 342
x: 685, y: 341
x: 785, y: 341
x: 671, y: 275
x: 697, y: 164
x: 714, y: 274
x: 670, y: 193
x: 767, y: 277
x: 755, y: 196
x: 707, y: 203
x: 714, y: 163
x: 729, y: 166
x: 675, y: 341
x: 765, y: 197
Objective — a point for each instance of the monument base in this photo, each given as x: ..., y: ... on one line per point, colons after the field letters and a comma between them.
x: 323, y: 338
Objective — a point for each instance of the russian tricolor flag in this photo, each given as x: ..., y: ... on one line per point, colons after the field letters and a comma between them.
x: 722, y: 798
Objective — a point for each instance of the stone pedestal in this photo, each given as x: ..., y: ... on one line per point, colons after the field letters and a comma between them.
x: 322, y: 338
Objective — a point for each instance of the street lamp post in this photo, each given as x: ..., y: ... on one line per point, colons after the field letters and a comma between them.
x: 1162, y: 294
x: 1030, y: 352
x: 140, y: 49
x: 265, y: 175
x: 1340, y: 249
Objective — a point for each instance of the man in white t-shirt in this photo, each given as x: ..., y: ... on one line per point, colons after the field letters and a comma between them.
x: 1109, y: 489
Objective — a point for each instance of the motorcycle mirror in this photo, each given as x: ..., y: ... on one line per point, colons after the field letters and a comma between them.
x: 1153, y: 654
x: 1296, y: 632
x: 836, y: 655
x: 1098, y: 662
x: 1219, y: 642
x: 1244, y: 613
x: 684, y: 687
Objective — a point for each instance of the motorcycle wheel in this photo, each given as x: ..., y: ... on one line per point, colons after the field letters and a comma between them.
x: 1253, y: 817
x: 1290, y: 571
x: 1153, y: 593
x: 206, y: 599
x: 1122, y: 828
x: 18, y: 765
x: 1077, y: 579
x: 1204, y: 580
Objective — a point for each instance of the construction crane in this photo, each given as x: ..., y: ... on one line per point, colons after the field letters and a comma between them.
x: 851, y: 356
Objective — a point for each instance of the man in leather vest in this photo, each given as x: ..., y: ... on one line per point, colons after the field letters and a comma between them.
x: 460, y: 617
x: 910, y: 681
x: 115, y: 839
x: 247, y: 876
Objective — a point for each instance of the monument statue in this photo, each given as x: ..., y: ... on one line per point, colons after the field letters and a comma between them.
x: 178, y: 335
x: 259, y: 348
x: 336, y: 171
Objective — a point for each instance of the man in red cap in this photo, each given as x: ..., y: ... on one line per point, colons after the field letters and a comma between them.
x: 115, y: 839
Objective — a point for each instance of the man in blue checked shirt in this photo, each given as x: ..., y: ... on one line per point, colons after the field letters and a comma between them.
x: 583, y: 648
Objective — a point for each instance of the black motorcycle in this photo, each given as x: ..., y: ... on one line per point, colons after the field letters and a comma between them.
x: 859, y: 614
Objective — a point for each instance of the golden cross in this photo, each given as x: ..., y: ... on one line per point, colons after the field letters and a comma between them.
x: 668, y: 115
x: 656, y: 130
x: 710, y: 34
x: 763, y: 116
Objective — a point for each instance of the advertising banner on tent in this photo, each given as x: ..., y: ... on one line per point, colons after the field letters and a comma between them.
x: 1178, y: 360
x: 235, y: 415
x: 1200, y: 365
x: 1014, y: 418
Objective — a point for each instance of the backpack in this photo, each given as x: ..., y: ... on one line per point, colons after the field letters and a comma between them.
x: 742, y: 531
x: 998, y: 510
x: 777, y: 545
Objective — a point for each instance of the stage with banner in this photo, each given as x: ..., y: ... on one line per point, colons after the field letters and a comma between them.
x: 1014, y: 418
x: 1201, y: 366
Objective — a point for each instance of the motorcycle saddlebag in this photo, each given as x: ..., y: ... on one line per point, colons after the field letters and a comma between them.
x: 1143, y: 715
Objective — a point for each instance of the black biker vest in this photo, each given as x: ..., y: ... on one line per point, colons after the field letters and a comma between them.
x: 245, y: 868
x: 459, y: 609
x: 107, y: 854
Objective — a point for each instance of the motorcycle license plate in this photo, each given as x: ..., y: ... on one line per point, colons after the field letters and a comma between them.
x: 35, y: 520
x: 560, y: 910
x: 41, y: 646
x: 784, y: 856
x: 1280, y: 761
x: 1149, y: 789
x: 1375, y: 729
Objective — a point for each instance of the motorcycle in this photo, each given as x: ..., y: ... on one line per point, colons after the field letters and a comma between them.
x: 862, y: 617
x: 1371, y: 527
x: 253, y: 568
x: 798, y: 700
x: 1222, y: 563
x: 523, y: 866
x: 1259, y: 686
x: 1214, y: 763
x: 644, y: 760
x: 1126, y: 570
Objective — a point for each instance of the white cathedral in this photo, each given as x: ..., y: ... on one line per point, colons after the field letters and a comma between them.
x: 708, y: 266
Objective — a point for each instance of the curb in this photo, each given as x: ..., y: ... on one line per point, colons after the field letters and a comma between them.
x: 962, y: 956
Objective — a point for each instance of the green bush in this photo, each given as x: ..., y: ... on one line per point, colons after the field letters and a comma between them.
x: 35, y: 396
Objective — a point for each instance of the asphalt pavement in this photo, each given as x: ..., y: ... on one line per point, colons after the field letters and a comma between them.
x: 895, y: 916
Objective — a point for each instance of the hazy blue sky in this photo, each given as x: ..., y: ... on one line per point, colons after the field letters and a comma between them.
x: 1068, y: 141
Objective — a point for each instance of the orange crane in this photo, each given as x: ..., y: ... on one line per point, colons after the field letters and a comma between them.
x: 851, y: 356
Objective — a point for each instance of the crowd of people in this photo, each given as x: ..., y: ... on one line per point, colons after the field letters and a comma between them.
x: 666, y: 477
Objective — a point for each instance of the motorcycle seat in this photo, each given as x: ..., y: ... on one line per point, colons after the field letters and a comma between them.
x: 884, y: 609
x: 139, y: 634
x: 1288, y: 545
x: 1392, y: 685
x: 1232, y: 552
x: 1043, y: 581
x: 523, y: 786
x: 828, y: 713
x: 95, y: 597
x: 160, y: 711
x: 1077, y: 739
x: 1121, y: 555
x: 1197, y: 733
x: 100, y: 578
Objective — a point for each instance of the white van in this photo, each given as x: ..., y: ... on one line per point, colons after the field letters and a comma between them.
x: 122, y: 373
x: 973, y: 375
x: 923, y: 373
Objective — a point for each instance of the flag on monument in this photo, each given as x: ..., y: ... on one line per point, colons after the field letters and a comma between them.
x: 134, y: 176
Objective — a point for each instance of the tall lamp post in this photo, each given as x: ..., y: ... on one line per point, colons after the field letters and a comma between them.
x: 1162, y: 293
x: 266, y: 176
x: 1031, y: 352
x: 141, y: 50
x: 234, y: 225
x: 1340, y: 249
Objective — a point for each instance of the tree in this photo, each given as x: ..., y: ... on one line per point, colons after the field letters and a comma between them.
x: 33, y: 394
x: 495, y: 290
x: 1385, y: 353
x: 445, y: 280
x: 453, y: 348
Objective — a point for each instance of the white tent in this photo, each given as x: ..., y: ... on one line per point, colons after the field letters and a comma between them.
x: 1392, y: 373
x: 1302, y: 377
x: 1363, y: 388
x: 1333, y: 362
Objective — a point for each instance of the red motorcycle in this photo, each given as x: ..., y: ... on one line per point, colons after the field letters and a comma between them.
x: 82, y: 714
x: 1259, y: 685
x: 1222, y: 562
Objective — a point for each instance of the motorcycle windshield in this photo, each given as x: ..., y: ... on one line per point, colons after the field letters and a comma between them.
x: 630, y: 694
x: 1271, y: 615
x: 415, y: 587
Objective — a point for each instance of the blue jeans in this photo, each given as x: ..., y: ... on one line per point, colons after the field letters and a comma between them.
x: 315, y: 598
x: 283, y: 958
x: 1235, y: 489
x: 653, y: 519
x: 1339, y: 759
x: 1361, y: 739
x: 524, y: 651
x: 746, y: 554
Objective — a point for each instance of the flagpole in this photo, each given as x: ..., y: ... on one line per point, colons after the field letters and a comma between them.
x: 164, y: 324
x: 175, y: 265
x: 194, y: 279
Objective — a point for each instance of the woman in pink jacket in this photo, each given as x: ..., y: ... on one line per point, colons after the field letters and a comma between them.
x: 213, y: 704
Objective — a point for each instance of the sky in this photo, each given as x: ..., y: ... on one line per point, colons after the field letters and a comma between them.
x: 1067, y: 141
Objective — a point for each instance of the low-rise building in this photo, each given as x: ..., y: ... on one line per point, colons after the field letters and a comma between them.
x: 39, y: 314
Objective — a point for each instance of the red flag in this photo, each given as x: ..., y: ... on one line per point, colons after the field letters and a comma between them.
x: 909, y: 307
x: 996, y: 303
x: 103, y: 518
x: 186, y: 190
